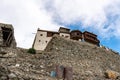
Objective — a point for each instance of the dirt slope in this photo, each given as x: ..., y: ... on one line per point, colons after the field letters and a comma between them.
x: 88, y: 61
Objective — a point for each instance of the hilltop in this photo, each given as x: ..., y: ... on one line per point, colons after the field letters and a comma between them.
x: 88, y: 61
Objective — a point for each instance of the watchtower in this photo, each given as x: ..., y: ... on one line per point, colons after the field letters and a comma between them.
x: 7, y: 35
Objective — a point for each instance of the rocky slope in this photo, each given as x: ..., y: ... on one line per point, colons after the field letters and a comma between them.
x: 87, y: 61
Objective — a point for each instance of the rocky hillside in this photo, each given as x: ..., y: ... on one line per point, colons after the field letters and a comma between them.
x: 85, y: 59
x: 88, y: 62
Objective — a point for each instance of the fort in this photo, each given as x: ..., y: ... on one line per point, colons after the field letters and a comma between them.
x: 66, y: 55
x: 43, y: 37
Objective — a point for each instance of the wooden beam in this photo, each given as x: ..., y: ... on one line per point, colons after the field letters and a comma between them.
x: 7, y: 30
x: 7, y: 42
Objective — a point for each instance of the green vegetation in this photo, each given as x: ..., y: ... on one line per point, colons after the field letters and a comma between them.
x: 31, y: 50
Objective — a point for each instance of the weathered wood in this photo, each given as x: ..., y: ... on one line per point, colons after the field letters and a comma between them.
x: 7, y: 35
x: 68, y: 73
x: 7, y: 42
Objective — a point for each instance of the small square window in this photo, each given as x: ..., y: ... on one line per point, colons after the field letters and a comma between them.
x: 41, y: 34
x: 39, y: 40
x: 77, y: 33
x: 46, y: 41
x: 62, y: 35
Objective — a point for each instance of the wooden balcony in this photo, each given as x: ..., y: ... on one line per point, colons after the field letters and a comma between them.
x: 89, y: 34
x: 76, y: 35
x: 93, y: 40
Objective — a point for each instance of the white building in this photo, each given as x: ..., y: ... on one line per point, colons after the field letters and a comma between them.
x: 43, y: 37
x: 64, y: 32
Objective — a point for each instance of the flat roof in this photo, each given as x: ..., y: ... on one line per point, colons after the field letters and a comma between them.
x: 64, y: 28
x: 89, y: 33
x: 46, y: 31
x: 76, y: 31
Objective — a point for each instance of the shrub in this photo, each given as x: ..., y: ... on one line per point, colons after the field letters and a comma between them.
x: 32, y: 51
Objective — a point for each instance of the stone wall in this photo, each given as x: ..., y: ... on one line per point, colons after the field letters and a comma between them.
x: 7, y: 38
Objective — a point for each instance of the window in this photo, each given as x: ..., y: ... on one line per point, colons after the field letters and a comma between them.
x: 77, y: 33
x: 39, y: 40
x: 46, y: 41
x: 49, y: 34
x: 66, y: 36
x: 41, y: 34
x: 62, y: 35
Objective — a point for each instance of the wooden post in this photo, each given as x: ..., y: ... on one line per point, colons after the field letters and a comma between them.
x: 68, y: 73
x: 7, y: 42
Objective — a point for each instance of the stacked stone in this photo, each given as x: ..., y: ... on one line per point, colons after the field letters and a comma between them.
x: 13, y: 41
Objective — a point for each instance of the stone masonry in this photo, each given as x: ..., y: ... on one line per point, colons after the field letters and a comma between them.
x: 7, y: 38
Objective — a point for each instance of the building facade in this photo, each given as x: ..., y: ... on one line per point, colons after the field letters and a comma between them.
x: 43, y: 37
x: 76, y: 35
x: 91, y: 38
x: 64, y: 32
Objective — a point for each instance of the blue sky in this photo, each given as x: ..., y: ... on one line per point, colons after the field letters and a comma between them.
x: 111, y: 43
x: 101, y: 17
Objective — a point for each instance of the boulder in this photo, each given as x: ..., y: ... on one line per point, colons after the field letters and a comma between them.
x: 111, y: 74
x: 3, y: 73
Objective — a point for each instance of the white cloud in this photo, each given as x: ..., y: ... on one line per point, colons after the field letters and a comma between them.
x: 27, y: 15
x: 96, y: 14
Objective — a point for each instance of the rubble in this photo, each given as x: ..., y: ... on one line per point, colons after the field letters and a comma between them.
x: 85, y: 62
x: 7, y: 38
